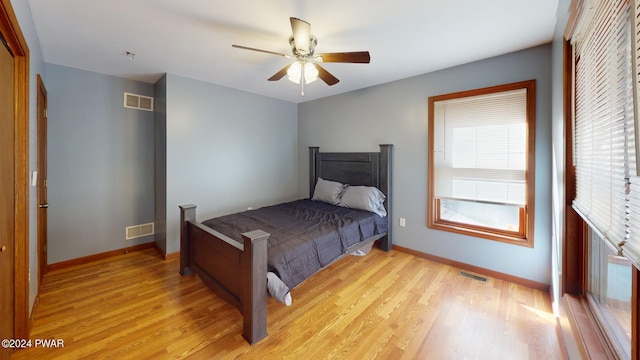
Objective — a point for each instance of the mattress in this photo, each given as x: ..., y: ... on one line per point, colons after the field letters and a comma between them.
x: 305, y: 236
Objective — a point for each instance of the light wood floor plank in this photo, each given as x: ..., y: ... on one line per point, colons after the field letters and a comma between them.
x: 380, y: 306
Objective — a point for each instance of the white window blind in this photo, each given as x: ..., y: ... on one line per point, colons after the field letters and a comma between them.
x: 480, y: 147
x: 631, y: 248
x: 604, y: 120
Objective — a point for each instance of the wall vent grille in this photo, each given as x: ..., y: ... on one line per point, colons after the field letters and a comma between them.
x: 136, y: 231
x: 140, y: 102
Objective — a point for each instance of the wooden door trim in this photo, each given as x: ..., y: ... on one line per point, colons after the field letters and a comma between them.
x: 41, y: 164
x: 11, y: 33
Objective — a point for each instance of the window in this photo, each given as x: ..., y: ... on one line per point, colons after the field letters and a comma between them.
x: 607, y: 192
x: 609, y: 289
x: 481, y: 162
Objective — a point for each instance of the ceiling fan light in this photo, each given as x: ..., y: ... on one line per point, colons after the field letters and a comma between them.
x: 295, y: 72
x: 310, y: 73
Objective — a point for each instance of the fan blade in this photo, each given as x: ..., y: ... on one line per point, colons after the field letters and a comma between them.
x: 301, y: 34
x: 326, y: 76
x: 361, y: 57
x: 277, y: 76
x: 264, y: 51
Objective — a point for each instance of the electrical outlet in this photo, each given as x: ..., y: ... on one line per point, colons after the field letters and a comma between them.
x: 402, y: 222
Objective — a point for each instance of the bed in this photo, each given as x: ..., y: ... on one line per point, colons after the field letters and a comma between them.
x: 234, y: 262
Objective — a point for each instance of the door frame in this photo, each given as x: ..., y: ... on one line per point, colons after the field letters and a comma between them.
x: 11, y: 33
x: 41, y: 186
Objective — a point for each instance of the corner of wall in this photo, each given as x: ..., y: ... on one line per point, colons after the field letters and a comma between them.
x: 160, y: 117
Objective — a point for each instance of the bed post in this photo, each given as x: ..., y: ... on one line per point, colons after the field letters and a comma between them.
x: 386, y: 166
x: 187, y: 213
x: 313, y: 153
x: 254, y: 285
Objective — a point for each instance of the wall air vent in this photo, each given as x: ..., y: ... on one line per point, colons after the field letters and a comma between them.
x: 137, y: 231
x: 140, y: 102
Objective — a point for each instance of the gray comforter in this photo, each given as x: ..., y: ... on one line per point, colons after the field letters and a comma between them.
x: 305, y: 236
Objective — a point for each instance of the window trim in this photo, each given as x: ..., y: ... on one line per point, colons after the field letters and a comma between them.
x: 482, y: 230
x: 523, y: 237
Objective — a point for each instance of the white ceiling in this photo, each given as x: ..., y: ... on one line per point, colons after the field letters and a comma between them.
x: 193, y: 38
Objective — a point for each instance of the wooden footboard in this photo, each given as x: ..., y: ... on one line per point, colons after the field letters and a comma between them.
x: 235, y: 272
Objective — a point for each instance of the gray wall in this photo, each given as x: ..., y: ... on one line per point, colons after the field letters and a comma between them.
x: 101, y: 163
x: 226, y: 150
x: 558, y: 147
x: 397, y: 113
x: 559, y: 139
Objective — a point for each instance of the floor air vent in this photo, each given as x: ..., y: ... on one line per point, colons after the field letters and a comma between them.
x: 140, y: 102
x: 475, y: 277
x: 137, y: 231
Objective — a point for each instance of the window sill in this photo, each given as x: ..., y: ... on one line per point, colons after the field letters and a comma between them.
x: 579, y: 328
x: 477, y: 232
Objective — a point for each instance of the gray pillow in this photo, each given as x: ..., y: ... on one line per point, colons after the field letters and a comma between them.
x: 328, y: 191
x: 364, y: 198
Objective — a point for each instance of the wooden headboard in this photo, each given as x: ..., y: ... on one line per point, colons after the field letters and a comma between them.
x: 355, y: 168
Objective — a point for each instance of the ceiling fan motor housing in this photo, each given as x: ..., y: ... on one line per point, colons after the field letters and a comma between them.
x: 313, y: 41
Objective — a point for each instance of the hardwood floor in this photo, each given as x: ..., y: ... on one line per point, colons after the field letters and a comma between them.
x: 383, y: 305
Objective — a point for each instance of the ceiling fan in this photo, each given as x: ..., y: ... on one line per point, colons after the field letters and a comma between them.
x: 306, y: 67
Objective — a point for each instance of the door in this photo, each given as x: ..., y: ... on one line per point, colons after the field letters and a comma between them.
x: 42, y: 180
x: 7, y: 196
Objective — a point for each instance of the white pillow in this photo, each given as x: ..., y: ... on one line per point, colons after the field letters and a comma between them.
x: 328, y: 191
x: 364, y: 198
